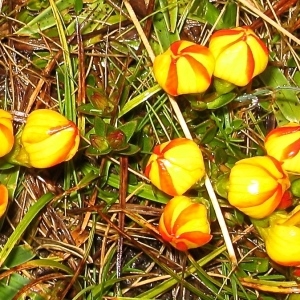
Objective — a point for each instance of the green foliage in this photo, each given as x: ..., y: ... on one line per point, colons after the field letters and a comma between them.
x: 86, y: 60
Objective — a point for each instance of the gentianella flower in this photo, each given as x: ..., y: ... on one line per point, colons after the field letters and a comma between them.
x: 184, y: 68
x: 184, y: 224
x: 175, y: 166
x: 6, y: 132
x: 283, y: 143
x: 3, y: 199
x: 282, y: 237
x: 47, y: 139
x: 239, y: 53
x: 257, y: 185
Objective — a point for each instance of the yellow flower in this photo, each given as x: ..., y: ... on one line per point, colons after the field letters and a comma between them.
x: 282, y: 237
x: 175, y: 166
x: 283, y: 143
x: 6, y: 132
x: 239, y: 53
x: 3, y: 199
x: 257, y: 185
x: 184, y: 68
x: 47, y: 139
x: 184, y: 224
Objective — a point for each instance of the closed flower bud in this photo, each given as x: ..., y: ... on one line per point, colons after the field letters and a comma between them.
x: 6, y: 132
x: 47, y: 139
x: 3, y: 199
x: 184, y: 224
x: 257, y: 185
x: 283, y: 143
x: 175, y: 166
x: 282, y: 237
x: 239, y: 53
x: 184, y: 68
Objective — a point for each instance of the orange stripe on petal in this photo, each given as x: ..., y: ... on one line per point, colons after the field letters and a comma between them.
x: 291, y: 150
x: 278, y: 166
x: 156, y: 150
x: 195, y: 49
x: 261, y: 43
x: 175, y: 47
x: 148, y: 169
x: 196, y: 237
x: 198, y: 69
x: 286, y: 201
x: 226, y: 32
x: 166, y: 181
x: 282, y: 131
x: 172, y: 79
x: 180, y: 245
x: 250, y: 64
x: 164, y: 227
x: 175, y: 143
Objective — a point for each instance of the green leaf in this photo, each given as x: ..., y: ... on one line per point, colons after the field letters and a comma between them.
x: 286, y: 99
x: 100, y: 146
x: 87, y: 179
x: 44, y: 19
x: 78, y: 5
x: 170, y: 12
x: 230, y: 14
x: 11, y: 286
x: 165, y: 37
x: 208, y: 13
x: 89, y: 109
x: 209, y: 135
x: 129, y: 129
x: 22, y: 226
x: 221, y: 101
x: 255, y: 264
x: 19, y: 255
x: 131, y: 150
x: 139, y: 99
x: 165, y: 12
x: 100, y: 127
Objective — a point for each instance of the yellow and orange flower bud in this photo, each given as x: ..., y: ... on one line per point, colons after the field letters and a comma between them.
x: 3, y: 199
x: 184, y: 224
x: 257, y: 185
x: 185, y: 68
x: 6, y: 132
x: 283, y: 143
x: 239, y: 53
x: 282, y: 237
x: 175, y: 166
x: 47, y: 139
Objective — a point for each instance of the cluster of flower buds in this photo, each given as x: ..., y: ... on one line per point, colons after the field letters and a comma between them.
x: 174, y: 167
x: 235, y: 55
x: 259, y: 185
x: 46, y: 139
